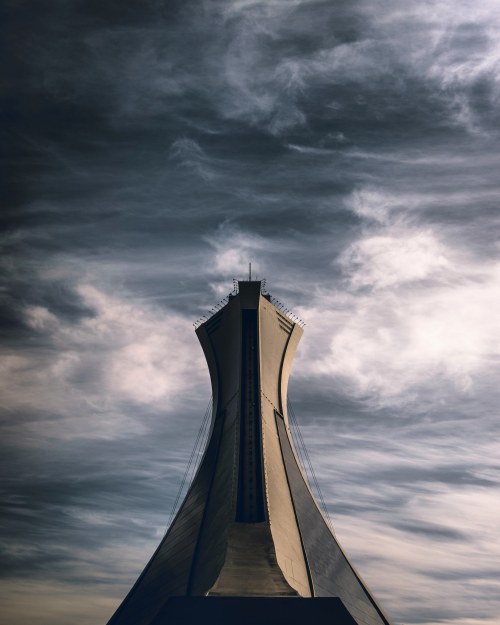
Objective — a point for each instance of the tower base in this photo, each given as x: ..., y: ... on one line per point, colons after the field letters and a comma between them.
x: 254, y: 611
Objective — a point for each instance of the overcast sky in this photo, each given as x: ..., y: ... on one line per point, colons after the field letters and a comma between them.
x: 349, y: 149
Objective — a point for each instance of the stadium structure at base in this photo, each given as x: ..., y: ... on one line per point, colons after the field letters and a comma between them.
x: 249, y: 544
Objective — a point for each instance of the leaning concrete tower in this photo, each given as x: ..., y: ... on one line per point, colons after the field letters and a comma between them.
x: 249, y: 542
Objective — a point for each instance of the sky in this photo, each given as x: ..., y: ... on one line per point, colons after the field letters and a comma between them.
x: 349, y: 150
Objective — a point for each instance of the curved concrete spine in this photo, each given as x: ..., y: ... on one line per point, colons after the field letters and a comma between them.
x: 286, y: 368
x: 210, y: 552
x: 275, y: 333
x: 220, y: 338
x: 331, y: 572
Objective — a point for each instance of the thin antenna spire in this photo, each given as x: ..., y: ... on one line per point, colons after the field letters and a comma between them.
x: 249, y: 272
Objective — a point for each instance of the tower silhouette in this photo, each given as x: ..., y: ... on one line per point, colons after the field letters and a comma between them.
x: 249, y: 543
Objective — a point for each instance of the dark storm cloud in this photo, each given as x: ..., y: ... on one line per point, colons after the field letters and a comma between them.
x: 152, y: 149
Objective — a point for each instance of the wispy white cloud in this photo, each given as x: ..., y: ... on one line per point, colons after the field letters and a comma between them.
x: 394, y: 259
x: 447, y: 48
x: 414, y: 312
x: 233, y: 250
x: 149, y: 358
x: 191, y: 156
x: 124, y: 351
x: 415, y: 507
x: 380, y: 205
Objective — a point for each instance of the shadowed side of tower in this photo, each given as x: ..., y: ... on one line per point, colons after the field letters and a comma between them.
x: 249, y: 526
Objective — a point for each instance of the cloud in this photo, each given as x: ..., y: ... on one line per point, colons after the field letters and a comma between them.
x: 350, y: 152
x: 148, y: 358
x: 381, y: 206
x: 441, y: 55
x: 191, y: 156
x: 233, y: 250
x: 394, y: 259
x: 453, y: 48
x: 416, y: 494
x: 415, y: 312
x: 125, y: 351
x: 447, y: 557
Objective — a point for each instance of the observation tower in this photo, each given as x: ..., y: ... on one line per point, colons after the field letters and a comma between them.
x: 249, y: 544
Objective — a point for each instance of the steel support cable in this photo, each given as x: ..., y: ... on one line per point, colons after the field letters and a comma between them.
x: 310, y: 465
x: 198, y: 446
x: 299, y: 441
x: 298, y: 445
x: 304, y: 453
